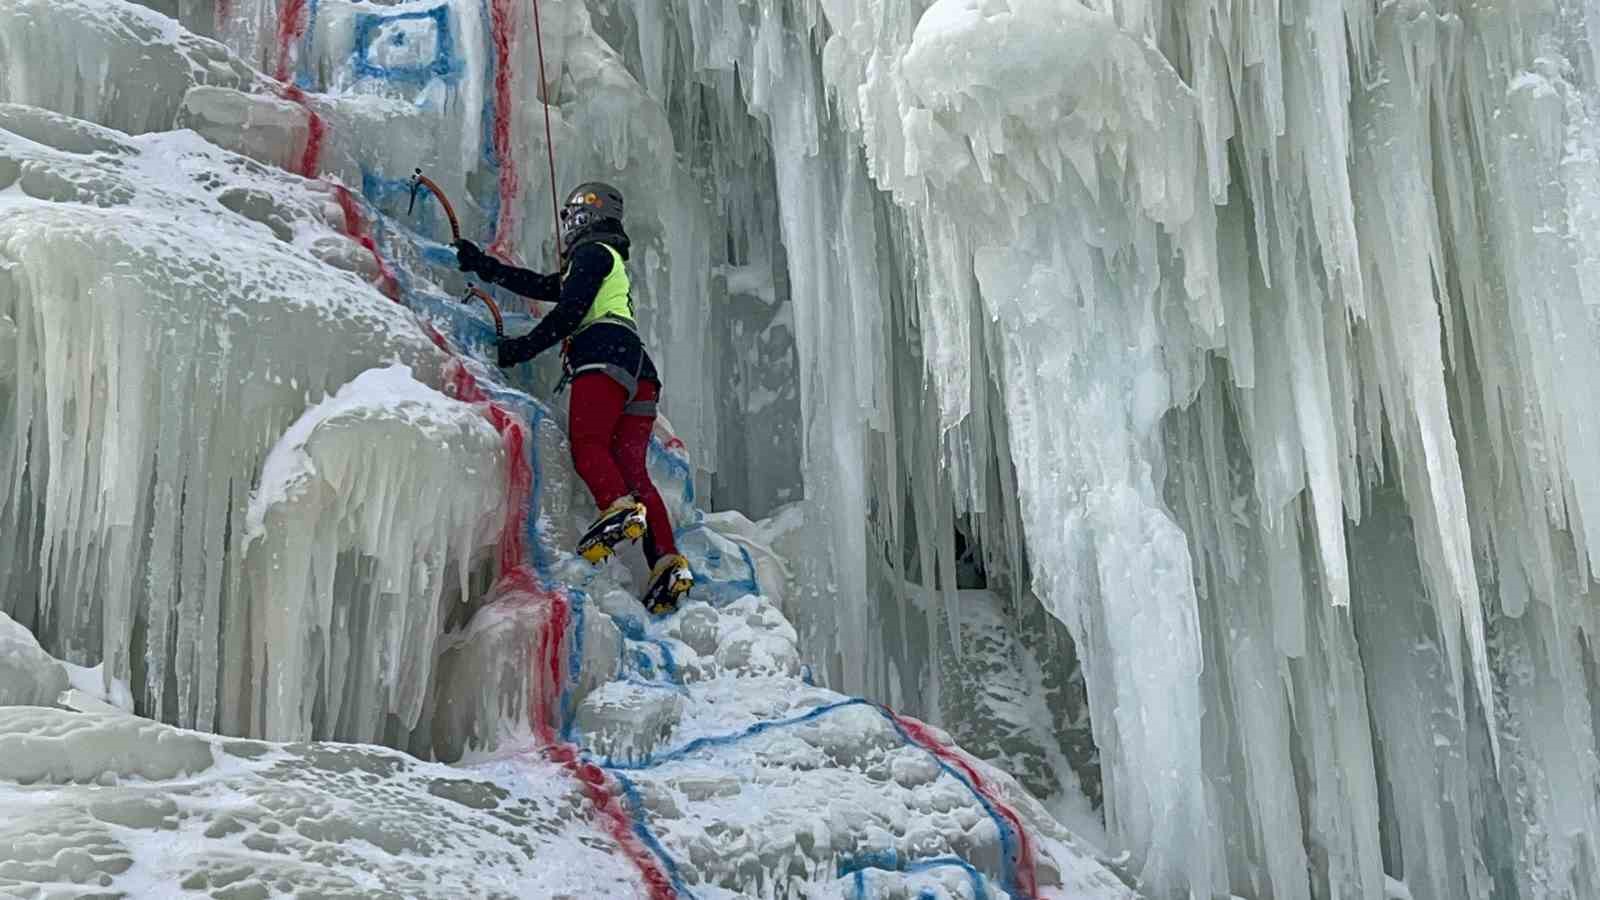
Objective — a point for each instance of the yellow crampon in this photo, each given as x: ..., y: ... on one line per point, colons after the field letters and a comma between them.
x: 623, y: 520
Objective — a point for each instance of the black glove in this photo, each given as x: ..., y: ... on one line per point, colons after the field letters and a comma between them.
x: 471, y: 259
x: 509, y: 352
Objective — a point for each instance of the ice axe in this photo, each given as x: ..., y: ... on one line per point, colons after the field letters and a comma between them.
x: 494, y: 308
x: 419, y: 181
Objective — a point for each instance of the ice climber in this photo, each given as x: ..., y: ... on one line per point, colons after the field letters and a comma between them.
x: 615, y: 385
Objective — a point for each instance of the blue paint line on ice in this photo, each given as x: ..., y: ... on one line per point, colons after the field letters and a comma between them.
x: 678, y: 465
x: 491, y: 159
x: 569, y: 718
x: 381, y: 191
x: 437, y: 254
x: 722, y: 590
x: 708, y: 742
x: 303, y: 76
x: 1009, y: 840
x: 716, y: 590
x: 669, y: 664
x: 890, y: 861
x: 633, y: 629
x: 872, y: 859
x: 641, y: 828
x: 378, y: 189
x: 538, y: 547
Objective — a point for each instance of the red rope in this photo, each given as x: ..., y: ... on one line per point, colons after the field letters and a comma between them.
x: 549, y: 143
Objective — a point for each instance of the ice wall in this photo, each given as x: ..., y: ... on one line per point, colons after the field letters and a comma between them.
x: 364, y: 526
x: 1250, y: 338
x: 1211, y: 292
x: 149, y: 383
x: 265, y: 487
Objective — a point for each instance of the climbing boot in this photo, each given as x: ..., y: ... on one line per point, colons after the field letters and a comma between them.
x: 669, y: 581
x: 623, y: 520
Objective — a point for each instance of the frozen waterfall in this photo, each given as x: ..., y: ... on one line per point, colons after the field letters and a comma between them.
x: 1182, y: 403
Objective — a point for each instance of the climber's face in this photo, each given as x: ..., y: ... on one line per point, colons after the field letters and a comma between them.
x: 588, y: 205
x: 576, y: 219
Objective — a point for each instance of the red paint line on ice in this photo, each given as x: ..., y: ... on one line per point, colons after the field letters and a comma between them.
x: 1023, y: 866
x: 311, y: 156
x: 292, y: 19
x: 603, y: 795
x: 291, y: 28
x: 355, y: 227
x: 547, y: 655
x: 501, y: 23
x: 548, y: 696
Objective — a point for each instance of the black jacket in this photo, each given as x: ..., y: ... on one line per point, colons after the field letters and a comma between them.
x: 606, y: 346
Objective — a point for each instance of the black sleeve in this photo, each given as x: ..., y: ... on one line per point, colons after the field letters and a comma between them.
x: 528, y: 283
x: 591, y: 264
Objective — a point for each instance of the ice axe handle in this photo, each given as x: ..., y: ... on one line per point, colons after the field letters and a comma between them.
x: 420, y: 180
x: 494, y: 308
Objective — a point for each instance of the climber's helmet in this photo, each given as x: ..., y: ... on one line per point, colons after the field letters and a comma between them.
x: 588, y: 205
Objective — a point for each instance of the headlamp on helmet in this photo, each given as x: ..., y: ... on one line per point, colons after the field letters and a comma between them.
x: 589, y: 204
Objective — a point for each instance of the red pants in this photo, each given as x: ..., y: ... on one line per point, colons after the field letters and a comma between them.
x: 608, y: 450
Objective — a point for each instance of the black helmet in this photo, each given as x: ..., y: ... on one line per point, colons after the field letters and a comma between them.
x: 588, y: 204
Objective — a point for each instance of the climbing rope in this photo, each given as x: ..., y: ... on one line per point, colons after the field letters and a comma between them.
x: 549, y: 143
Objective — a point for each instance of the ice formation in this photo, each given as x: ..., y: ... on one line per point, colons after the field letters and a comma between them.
x: 754, y: 784
x: 1185, y: 403
x: 28, y: 675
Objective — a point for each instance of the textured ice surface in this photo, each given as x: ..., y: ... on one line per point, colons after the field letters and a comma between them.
x: 124, y: 806
x: 1249, y: 340
x: 28, y: 675
x: 1229, y: 313
x: 302, y: 480
x: 118, y: 64
x: 748, y: 783
x: 156, y: 285
x: 364, y: 509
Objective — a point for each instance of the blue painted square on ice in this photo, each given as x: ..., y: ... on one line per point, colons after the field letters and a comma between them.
x: 415, y: 46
